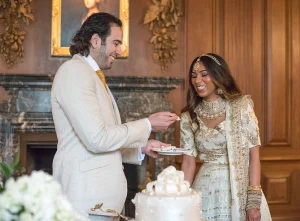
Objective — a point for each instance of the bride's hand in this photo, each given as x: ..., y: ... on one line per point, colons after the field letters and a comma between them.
x: 253, y: 215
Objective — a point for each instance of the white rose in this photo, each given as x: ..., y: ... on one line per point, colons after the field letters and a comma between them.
x: 29, y: 201
x: 26, y: 217
x: 41, y: 198
x: 5, y: 215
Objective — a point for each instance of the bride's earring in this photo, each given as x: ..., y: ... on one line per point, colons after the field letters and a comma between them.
x: 219, y: 91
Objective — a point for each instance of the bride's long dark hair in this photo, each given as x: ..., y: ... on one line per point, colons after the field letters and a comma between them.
x: 220, y: 75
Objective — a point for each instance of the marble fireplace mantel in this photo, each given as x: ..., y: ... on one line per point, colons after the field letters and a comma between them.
x: 30, y: 99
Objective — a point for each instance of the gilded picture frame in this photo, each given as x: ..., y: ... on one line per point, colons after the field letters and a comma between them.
x: 59, y: 44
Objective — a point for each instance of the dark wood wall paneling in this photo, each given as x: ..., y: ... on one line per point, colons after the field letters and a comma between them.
x: 37, y: 46
x: 281, y: 155
x: 260, y: 41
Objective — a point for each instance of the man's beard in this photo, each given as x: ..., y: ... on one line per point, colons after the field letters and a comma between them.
x: 102, y: 58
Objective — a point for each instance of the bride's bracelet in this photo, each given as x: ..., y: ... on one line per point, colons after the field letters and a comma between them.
x: 254, y: 188
x: 254, y: 199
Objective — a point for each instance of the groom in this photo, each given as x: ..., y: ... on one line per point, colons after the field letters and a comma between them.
x: 92, y: 141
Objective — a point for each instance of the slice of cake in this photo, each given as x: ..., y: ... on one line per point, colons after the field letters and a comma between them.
x: 170, y: 198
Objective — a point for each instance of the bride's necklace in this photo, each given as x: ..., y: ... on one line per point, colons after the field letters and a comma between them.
x: 211, y: 110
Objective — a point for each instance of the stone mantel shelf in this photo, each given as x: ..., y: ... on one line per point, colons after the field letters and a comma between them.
x: 115, y: 83
x: 29, y: 122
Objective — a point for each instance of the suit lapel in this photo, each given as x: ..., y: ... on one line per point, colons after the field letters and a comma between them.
x: 79, y: 57
x: 106, y: 94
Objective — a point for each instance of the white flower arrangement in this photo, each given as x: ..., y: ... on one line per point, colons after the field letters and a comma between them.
x: 37, y: 197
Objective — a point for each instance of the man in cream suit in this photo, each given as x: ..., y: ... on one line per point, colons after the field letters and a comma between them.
x: 92, y: 141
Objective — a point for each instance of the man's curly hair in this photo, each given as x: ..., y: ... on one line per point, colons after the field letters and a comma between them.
x: 97, y: 23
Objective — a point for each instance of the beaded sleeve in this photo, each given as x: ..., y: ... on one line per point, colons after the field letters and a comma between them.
x: 250, y: 123
x: 187, y: 136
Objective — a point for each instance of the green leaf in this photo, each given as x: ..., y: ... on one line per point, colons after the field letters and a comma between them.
x: 6, y: 169
x: 17, y: 160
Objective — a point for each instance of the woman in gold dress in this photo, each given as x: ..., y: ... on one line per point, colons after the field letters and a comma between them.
x: 219, y: 126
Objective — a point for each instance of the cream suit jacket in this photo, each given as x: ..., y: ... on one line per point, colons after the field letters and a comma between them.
x: 92, y: 142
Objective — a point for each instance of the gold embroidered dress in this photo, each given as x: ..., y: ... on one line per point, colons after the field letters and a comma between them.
x: 223, y: 178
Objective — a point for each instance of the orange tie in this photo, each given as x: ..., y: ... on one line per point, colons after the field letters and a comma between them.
x: 102, y: 78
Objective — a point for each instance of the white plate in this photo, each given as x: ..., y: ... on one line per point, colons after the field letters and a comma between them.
x: 172, y: 151
x: 101, y: 213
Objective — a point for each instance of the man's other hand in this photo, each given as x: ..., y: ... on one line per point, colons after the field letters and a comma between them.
x: 153, y: 144
x: 162, y: 120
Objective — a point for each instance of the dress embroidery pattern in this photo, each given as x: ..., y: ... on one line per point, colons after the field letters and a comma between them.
x: 225, y: 153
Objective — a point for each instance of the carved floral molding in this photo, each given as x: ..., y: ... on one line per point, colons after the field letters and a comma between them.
x: 12, y: 36
x: 163, y: 18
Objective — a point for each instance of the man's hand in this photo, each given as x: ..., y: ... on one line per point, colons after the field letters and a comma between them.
x: 153, y: 144
x: 162, y: 120
x: 253, y: 215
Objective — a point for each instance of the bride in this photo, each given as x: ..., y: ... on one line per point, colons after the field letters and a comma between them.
x: 219, y: 126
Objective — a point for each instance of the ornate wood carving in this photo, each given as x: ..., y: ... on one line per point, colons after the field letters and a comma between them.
x: 12, y: 37
x: 163, y: 18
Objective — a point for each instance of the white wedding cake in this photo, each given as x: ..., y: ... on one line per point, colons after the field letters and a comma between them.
x: 170, y: 198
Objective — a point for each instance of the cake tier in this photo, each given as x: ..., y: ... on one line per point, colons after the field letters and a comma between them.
x: 168, y: 208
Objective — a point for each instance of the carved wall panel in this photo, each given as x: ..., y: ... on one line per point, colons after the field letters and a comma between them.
x: 260, y: 40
